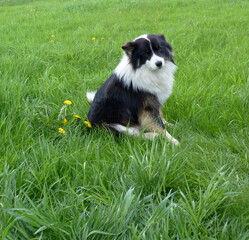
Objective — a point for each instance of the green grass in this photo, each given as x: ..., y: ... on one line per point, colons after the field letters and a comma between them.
x: 88, y: 184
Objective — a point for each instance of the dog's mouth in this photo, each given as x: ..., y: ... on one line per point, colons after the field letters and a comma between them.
x: 154, y: 69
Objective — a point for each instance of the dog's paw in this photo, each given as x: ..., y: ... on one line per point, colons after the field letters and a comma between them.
x: 172, y: 139
x: 175, y: 141
x: 150, y: 135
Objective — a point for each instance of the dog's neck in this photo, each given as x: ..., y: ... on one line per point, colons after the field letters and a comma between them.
x: 158, y: 82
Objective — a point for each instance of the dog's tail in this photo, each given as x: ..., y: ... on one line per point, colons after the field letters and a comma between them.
x: 90, y: 96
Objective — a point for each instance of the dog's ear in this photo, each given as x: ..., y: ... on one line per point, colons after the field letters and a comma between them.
x: 163, y: 37
x: 128, y: 48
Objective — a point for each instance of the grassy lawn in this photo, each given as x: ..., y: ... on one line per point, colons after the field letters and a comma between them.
x: 87, y: 184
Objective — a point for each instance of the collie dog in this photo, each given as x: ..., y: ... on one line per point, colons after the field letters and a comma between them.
x: 130, y: 100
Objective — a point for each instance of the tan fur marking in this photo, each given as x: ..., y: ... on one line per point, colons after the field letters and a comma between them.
x: 148, y: 123
x: 152, y: 129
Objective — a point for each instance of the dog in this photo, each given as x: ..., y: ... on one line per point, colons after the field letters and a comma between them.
x: 130, y: 100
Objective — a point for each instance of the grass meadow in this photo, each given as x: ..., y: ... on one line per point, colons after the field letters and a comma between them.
x: 87, y: 184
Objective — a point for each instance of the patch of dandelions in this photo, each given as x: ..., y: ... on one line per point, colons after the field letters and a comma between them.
x: 67, y: 117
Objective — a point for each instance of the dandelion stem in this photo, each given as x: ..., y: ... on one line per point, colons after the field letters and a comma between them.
x: 62, y: 109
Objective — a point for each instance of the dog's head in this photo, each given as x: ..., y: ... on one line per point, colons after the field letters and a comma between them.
x: 151, y: 50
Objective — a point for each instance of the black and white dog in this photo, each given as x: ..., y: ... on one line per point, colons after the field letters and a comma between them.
x: 130, y: 100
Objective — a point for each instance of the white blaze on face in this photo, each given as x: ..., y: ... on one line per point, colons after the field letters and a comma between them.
x: 155, y: 62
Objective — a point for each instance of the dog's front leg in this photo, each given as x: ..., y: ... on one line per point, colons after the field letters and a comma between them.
x: 171, y: 139
x: 164, y: 120
x: 152, y: 135
x: 154, y: 126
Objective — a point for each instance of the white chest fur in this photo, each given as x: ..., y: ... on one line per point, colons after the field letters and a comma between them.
x: 158, y: 82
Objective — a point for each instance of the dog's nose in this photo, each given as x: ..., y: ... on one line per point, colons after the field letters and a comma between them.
x: 159, y: 64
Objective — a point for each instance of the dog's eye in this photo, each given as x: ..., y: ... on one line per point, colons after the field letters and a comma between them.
x: 158, y: 48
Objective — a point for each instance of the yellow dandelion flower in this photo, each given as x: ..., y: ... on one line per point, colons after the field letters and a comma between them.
x: 64, y: 121
x: 52, y: 41
x: 88, y: 124
x: 67, y: 102
x: 102, y: 38
x: 53, y: 36
x: 62, y: 131
x: 77, y: 116
x: 93, y: 38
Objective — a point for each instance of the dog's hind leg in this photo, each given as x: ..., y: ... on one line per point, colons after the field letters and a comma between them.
x: 154, y: 127
x: 131, y: 131
x: 136, y: 131
x: 150, y: 135
x: 90, y: 96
